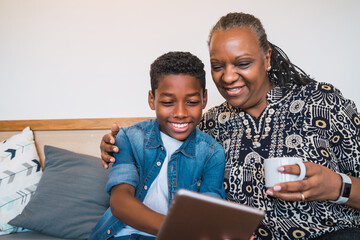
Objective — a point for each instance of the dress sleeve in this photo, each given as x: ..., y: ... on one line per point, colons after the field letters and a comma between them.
x: 345, y: 134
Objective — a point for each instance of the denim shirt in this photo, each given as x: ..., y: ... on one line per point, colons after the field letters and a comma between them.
x: 198, y: 165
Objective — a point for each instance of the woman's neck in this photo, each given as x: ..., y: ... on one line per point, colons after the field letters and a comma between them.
x: 257, y: 109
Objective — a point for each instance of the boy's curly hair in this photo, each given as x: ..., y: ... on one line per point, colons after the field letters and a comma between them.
x: 176, y: 63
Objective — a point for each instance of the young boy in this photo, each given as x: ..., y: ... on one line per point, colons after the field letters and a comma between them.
x: 158, y: 156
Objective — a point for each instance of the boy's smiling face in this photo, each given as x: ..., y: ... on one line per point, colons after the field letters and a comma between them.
x: 179, y: 100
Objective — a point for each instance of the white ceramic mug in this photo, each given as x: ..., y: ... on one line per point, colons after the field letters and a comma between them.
x: 273, y: 176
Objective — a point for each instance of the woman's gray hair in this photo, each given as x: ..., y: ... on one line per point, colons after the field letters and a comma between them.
x: 242, y: 20
x: 283, y: 72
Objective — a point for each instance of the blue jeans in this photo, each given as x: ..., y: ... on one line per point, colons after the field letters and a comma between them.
x: 134, y: 237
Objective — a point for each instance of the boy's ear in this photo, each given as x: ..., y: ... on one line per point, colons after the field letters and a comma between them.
x: 204, y: 99
x: 151, y: 100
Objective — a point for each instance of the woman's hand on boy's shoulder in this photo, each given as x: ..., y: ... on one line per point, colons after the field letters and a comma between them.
x: 107, y: 146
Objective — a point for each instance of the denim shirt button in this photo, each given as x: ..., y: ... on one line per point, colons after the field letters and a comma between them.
x: 145, y: 187
x: 162, y: 148
x: 158, y: 163
x: 108, y: 231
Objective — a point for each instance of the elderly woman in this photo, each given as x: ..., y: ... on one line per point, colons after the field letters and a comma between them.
x: 274, y: 109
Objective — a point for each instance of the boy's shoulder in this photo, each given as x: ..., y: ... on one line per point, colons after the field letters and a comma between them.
x: 143, y: 128
x: 142, y: 125
x: 204, y: 137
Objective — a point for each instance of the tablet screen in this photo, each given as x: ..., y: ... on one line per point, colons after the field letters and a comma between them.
x: 200, y: 217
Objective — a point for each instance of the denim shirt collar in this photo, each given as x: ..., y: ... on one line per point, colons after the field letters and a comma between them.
x: 187, y: 148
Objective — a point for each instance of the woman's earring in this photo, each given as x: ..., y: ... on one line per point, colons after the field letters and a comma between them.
x: 269, y: 68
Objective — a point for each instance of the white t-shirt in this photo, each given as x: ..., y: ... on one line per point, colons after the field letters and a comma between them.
x: 157, y: 196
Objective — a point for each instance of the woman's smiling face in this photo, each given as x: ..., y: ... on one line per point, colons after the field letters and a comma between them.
x: 238, y: 68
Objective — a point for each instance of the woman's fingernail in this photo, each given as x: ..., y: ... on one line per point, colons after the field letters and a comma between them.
x: 112, y: 160
x: 281, y: 169
x: 269, y: 192
x: 115, y: 149
x: 276, y: 188
x: 112, y: 141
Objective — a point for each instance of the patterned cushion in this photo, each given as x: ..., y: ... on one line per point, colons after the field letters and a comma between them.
x: 71, y: 196
x: 20, y: 172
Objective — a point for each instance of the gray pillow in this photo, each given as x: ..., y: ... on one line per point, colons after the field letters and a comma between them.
x: 70, y: 198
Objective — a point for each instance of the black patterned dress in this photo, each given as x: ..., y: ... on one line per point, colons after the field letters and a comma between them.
x: 314, y: 122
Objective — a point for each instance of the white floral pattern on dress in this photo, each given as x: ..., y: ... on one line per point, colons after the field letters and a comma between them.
x: 314, y: 122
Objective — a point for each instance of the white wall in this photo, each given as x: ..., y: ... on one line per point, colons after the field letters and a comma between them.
x: 91, y: 58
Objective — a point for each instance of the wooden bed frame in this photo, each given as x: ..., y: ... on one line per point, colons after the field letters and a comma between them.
x: 78, y: 135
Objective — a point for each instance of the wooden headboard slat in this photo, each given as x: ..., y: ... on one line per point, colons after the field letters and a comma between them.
x: 77, y: 135
x: 67, y: 124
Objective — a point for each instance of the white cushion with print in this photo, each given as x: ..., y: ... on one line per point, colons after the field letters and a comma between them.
x: 20, y: 172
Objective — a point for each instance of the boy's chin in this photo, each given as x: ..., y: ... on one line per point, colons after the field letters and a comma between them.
x: 181, y: 136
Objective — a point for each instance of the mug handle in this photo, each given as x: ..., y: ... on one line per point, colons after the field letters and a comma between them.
x: 302, y: 171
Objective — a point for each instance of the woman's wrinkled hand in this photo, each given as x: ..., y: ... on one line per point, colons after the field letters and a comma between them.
x: 107, y: 146
x: 320, y: 184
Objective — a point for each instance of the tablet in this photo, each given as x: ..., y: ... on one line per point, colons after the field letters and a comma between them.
x: 195, y: 216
